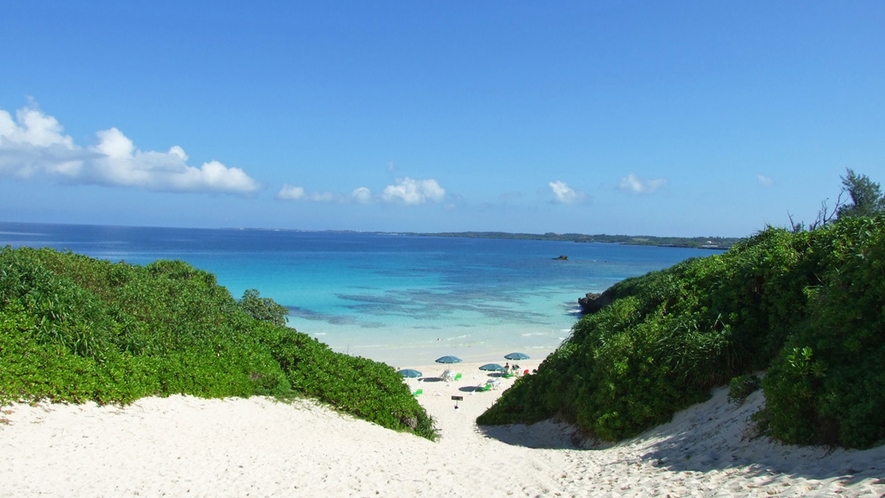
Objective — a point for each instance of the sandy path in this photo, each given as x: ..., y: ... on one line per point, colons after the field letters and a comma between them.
x: 257, y: 447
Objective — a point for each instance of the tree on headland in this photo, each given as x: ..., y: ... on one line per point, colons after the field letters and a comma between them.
x: 866, y: 196
x: 866, y: 200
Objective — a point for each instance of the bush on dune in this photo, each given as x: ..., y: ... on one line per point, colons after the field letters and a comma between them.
x: 73, y: 329
x: 807, y: 305
x: 827, y: 385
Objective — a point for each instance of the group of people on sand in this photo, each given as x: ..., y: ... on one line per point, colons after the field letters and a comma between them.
x: 508, y: 369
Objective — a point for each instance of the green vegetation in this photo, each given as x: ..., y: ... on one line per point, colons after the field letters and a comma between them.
x: 73, y: 329
x: 808, y: 306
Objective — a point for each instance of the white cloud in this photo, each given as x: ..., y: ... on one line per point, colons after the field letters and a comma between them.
x: 290, y: 193
x: 361, y: 195
x: 33, y: 128
x: 406, y: 190
x: 293, y: 193
x: 765, y: 181
x: 409, y: 191
x: 34, y: 144
x: 322, y: 197
x: 564, y: 194
x: 635, y: 184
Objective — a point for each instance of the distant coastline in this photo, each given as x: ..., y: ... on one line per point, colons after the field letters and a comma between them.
x: 717, y: 243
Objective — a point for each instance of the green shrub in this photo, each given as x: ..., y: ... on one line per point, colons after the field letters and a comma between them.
x: 263, y: 308
x: 73, y: 329
x: 828, y: 384
x: 807, y: 306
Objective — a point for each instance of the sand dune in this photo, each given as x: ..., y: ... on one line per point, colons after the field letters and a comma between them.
x: 258, y: 447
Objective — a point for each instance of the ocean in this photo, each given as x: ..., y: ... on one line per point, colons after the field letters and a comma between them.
x: 401, y: 299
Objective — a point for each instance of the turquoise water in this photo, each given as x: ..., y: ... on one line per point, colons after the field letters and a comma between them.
x: 405, y: 300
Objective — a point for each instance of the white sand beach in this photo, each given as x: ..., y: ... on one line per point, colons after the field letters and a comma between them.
x: 185, y: 446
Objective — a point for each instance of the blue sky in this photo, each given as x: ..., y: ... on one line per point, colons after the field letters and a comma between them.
x: 656, y: 118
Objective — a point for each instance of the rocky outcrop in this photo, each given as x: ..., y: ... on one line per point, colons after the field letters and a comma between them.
x: 593, y: 302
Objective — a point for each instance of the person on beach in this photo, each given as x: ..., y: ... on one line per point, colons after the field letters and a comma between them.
x: 507, y: 367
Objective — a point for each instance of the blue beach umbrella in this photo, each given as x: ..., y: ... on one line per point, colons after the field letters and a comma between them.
x: 410, y: 373
x: 448, y: 359
x: 492, y: 367
x: 517, y: 356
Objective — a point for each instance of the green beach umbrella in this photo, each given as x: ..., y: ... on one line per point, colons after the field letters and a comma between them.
x: 517, y: 356
x: 410, y: 373
x: 492, y: 367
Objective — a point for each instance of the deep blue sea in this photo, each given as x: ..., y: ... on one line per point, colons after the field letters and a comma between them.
x: 404, y: 300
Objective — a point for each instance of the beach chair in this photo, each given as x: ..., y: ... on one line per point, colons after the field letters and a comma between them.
x: 448, y: 376
x: 457, y: 376
x: 485, y: 387
x: 417, y: 393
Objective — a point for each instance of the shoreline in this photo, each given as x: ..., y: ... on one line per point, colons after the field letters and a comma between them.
x: 258, y: 446
x: 405, y: 340
x: 472, y: 358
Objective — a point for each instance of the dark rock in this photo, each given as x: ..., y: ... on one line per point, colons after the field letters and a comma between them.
x: 593, y: 302
x: 561, y: 257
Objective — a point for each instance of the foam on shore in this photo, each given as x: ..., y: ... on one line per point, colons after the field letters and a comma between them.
x: 258, y: 447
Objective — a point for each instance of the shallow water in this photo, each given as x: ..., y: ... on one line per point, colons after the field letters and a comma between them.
x: 394, y: 298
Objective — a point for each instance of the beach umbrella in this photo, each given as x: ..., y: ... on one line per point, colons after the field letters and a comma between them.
x: 517, y: 356
x: 409, y: 373
x: 492, y: 367
x: 448, y: 359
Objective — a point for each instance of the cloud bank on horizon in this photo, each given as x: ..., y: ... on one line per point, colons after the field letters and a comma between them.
x: 34, y: 148
x: 34, y: 145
